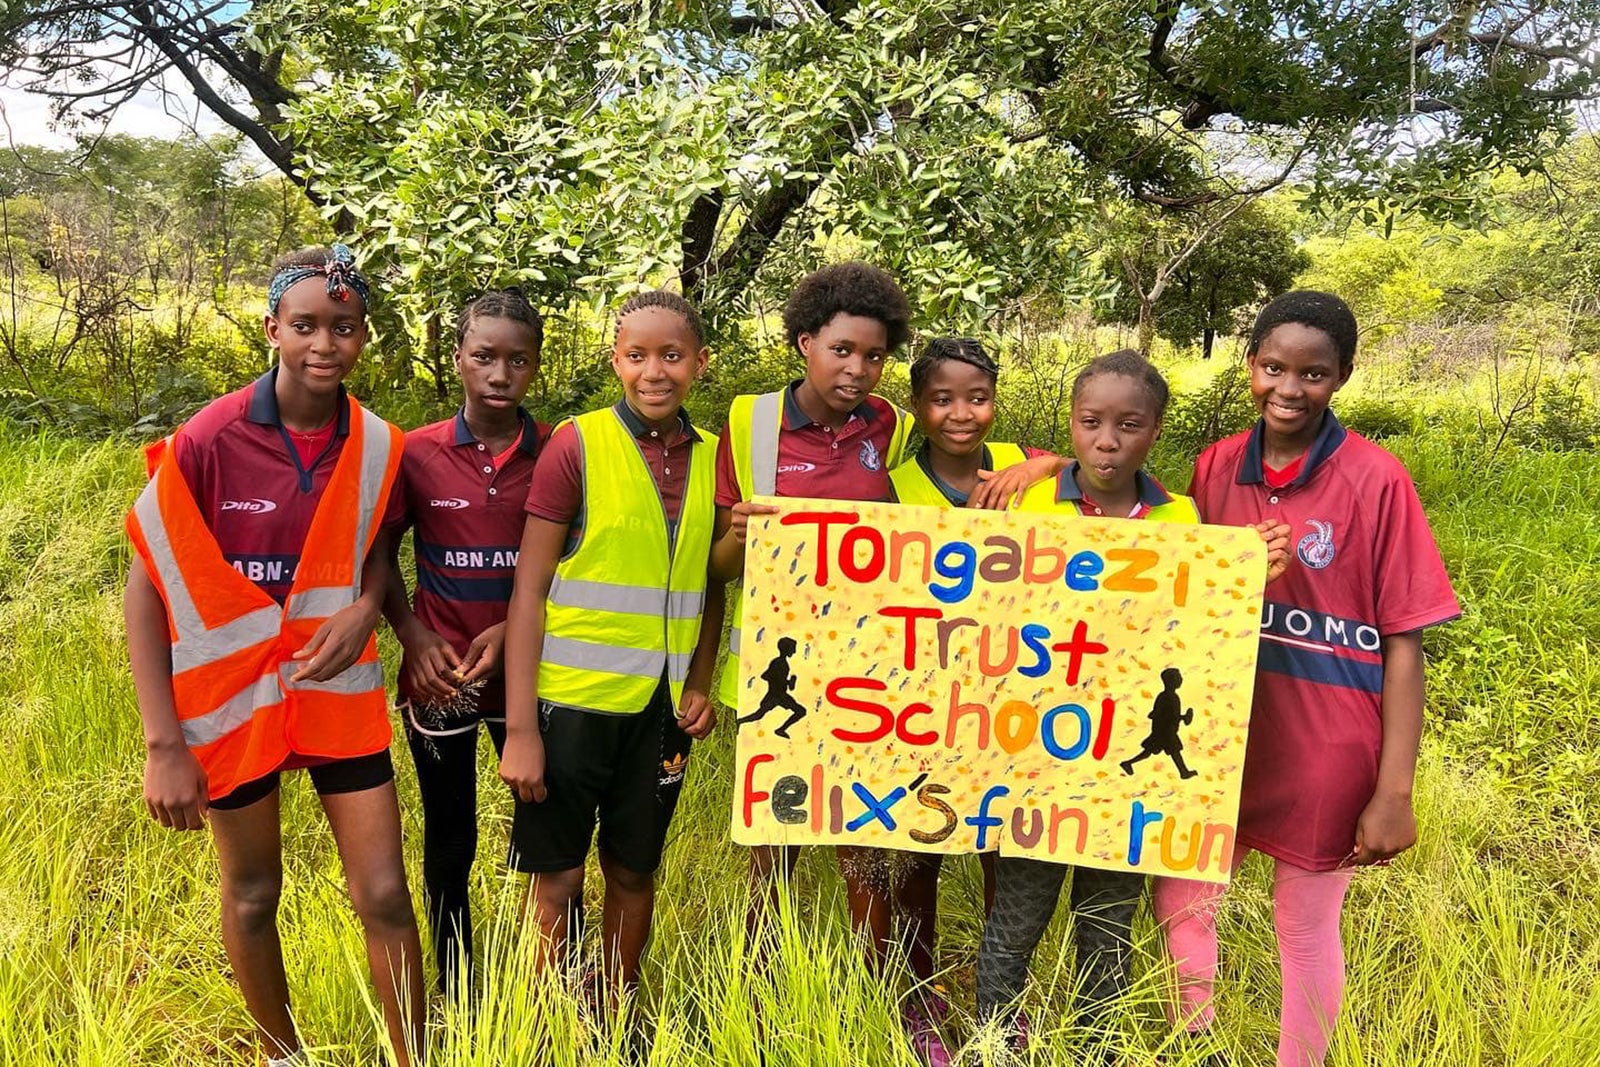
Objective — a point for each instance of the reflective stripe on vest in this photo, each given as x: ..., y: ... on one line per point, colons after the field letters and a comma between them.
x: 624, y: 608
x: 609, y: 596
x: 232, y: 644
x: 913, y: 486
x: 754, y: 425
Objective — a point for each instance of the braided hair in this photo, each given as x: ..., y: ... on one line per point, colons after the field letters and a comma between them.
x: 509, y: 303
x: 1128, y: 364
x: 667, y: 301
x: 943, y: 350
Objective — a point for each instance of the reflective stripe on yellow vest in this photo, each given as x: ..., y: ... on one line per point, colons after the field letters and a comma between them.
x: 754, y: 423
x: 1041, y: 496
x: 232, y: 643
x: 913, y: 486
x: 624, y: 608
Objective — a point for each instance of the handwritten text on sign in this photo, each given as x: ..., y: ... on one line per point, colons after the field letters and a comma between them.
x: 946, y: 680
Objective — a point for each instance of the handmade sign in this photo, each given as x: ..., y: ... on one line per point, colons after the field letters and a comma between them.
x: 946, y: 680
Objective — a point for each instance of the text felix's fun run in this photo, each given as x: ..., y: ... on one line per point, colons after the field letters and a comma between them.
x: 1058, y: 652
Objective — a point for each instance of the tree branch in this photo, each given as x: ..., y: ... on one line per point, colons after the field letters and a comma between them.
x: 277, y: 150
x: 699, y: 243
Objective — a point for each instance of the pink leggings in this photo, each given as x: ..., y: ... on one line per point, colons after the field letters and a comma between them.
x: 1305, y: 912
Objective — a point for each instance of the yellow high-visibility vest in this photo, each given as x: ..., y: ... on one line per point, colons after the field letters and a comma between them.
x: 624, y: 607
x: 1041, y: 496
x: 913, y: 486
x: 754, y: 423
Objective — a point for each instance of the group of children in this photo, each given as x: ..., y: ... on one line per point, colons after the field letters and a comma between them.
x: 570, y: 596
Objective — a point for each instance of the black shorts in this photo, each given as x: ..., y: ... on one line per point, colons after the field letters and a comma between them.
x: 624, y: 771
x: 339, y: 776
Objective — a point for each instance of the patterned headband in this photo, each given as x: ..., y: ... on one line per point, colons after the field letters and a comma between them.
x: 340, y: 269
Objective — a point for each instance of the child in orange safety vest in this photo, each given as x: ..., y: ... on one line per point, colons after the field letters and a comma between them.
x: 259, y: 575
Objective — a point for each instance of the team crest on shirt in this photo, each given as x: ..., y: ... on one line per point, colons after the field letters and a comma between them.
x: 870, y: 459
x: 1316, y: 549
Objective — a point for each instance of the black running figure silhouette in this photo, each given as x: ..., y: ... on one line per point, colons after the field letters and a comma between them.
x: 780, y: 687
x: 1165, y: 717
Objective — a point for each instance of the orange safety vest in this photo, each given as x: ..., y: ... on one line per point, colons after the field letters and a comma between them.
x: 232, y: 643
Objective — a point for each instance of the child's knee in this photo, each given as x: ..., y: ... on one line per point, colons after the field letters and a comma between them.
x: 557, y: 889
x: 383, y: 903
x: 252, y: 903
x: 628, y: 881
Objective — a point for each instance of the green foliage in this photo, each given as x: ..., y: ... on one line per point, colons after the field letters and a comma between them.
x: 1565, y: 417
x: 1378, y: 417
x: 1533, y: 251
x: 595, y: 148
x: 1195, y: 420
x: 131, y: 277
x: 1389, y: 282
x: 1190, y: 278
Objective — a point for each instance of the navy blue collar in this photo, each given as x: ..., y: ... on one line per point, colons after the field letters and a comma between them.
x: 1329, y: 437
x: 1152, y: 494
x: 264, y: 405
x: 794, y: 418
x: 957, y: 498
x: 636, y: 425
x: 527, y: 442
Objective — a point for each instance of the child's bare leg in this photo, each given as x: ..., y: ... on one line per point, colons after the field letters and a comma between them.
x: 866, y: 883
x: 249, y: 853
x: 554, y: 900
x: 625, y: 923
x: 917, y: 898
x: 366, y: 828
x: 771, y: 866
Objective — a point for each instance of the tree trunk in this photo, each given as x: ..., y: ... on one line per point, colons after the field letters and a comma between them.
x: 1147, y: 326
x: 442, y: 384
x: 1206, y: 338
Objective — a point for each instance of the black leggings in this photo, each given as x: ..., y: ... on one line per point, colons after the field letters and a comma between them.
x: 1026, y: 891
x: 447, y: 777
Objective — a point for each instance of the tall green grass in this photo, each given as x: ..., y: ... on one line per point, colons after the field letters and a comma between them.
x: 1481, y: 946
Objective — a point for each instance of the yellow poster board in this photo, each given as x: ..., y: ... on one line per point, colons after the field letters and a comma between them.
x: 946, y: 680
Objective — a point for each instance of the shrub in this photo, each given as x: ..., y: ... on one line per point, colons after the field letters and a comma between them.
x: 1565, y: 418
x: 1372, y: 416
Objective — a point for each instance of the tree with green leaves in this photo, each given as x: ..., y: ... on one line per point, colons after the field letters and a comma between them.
x: 1188, y: 277
x: 590, y: 146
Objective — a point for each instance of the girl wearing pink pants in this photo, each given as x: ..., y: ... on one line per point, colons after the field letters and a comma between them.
x: 1339, y: 685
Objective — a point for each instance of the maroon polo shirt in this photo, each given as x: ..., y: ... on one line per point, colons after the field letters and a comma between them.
x: 255, y: 493
x: 1365, y: 567
x: 466, y: 518
x: 851, y: 463
x: 557, y: 492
